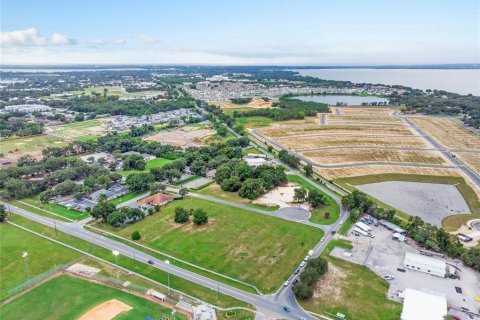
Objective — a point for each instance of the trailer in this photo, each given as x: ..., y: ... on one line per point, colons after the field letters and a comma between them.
x: 360, y: 231
x: 363, y: 226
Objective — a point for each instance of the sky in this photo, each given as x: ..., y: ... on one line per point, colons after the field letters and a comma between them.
x: 241, y: 32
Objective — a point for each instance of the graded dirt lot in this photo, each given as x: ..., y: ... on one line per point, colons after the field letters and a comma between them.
x: 182, y: 137
x: 448, y: 133
x: 308, y: 130
x: 362, y: 110
x: 353, y: 141
x: 280, y: 196
x: 348, y: 155
x: 364, y: 117
x: 470, y: 159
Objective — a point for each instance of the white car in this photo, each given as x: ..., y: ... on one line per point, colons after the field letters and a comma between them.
x: 302, y: 264
x: 286, y: 283
x: 388, y: 277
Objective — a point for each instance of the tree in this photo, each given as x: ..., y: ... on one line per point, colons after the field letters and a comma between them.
x: 116, y: 218
x: 308, y: 170
x: 134, y: 162
x: 327, y: 215
x: 200, y: 216
x: 26, y: 161
x: 471, y: 258
x: 252, y: 189
x: 222, y: 131
x: 3, y: 213
x: 136, y: 235
x: 302, y: 291
x: 299, y: 194
x: 112, y: 166
x: 102, y: 210
x: 315, y: 198
x: 181, y: 215
x: 79, y: 117
x: 140, y: 181
x: 157, y: 187
x: 183, y: 192
x: 91, y: 159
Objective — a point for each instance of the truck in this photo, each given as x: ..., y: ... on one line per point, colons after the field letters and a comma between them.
x: 363, y: 226
x: 360, y: 231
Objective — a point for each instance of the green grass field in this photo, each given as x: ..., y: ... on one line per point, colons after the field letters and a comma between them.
x: 56, y: 208
x: 159, y: 162
x: 354, y: 290
x: 318, y: 214
x: 145, y: 270
x: 84, y: 130
x: 466, y: 191
x: 114, y: 91
x: 260, y: 250
x: 125, y: 197
x: 251, y: 150
x: 36, y: 210
x: 42, y: 256
x: 214, y: 190
x: 87, y: 138
x: 254, y: 122
x: 30, y: 143
x: 452, y: 223
x: 66, y: 297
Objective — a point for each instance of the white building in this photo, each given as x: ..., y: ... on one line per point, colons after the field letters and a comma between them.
x: 418, y: 305
x: 425, y: 264
x: 29, y: 108
x: 203, y: 312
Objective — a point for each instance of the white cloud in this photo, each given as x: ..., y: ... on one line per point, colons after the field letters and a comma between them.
x: 120, y: 41
x: 30, y: 37
x: 147, y: 39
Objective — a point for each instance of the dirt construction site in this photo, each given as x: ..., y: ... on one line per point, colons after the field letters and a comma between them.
x: 358, y: 141
x: 184, y: 137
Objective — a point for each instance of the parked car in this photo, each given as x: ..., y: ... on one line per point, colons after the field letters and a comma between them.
x: 388, y: 277
x: 150, y: 262
x: 286, y: 283
x: 295, y: 282
x: 302, y: 264
x: 297, y: 271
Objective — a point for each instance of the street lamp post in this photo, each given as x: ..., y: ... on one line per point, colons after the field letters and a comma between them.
x: 168, y: 277
x: 24, y: 256
x: 116, y: 253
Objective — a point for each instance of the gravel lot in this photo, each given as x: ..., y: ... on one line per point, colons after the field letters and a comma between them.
x: 383, y: 256
x: 430, y: 201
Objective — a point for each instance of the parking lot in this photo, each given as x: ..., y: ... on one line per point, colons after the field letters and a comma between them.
x: 383, y: 255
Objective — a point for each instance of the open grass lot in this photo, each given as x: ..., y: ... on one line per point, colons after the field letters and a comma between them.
x: 66, y: 297
x: 353, y: 290
x: 448, y: 133
x: 14, y: 148
x: 155, y: 163
x: 254, y: 122
x: 87, y: 138
x: 251, y: 151
x: 36, y: 210
x: 467, y: 192
x: 364, y: 118
x: 318, y: 214
x: 145, y: 270
x: 117, y: 91
x: 56, y: 208
x: 125, y: 197
x: 42, y: 256
x: 453, y: 223
x: 260, y: 250
x: 349, y: 141
x: 214, y: 190
x: 348, y: 155
x: 83, y: 130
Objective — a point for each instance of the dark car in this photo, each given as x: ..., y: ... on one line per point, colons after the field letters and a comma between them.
x: 150, y: 262
x: 286, y: 308
x: 295, y: 281
x: 297, y: 271
x: 333, y: 232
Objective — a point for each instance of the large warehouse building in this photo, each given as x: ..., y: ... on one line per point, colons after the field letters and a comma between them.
x: 425, y: 264
x: 418, y: 305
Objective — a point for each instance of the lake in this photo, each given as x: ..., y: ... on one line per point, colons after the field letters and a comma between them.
x: 347, y: 100
x: 462, y: 81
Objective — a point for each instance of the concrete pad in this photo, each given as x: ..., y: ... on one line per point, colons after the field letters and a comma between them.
x: 430, y: 201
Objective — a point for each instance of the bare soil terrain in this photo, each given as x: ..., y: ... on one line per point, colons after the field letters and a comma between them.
x: 106, y: 311
x: 183, y: 137
x: 448, y: 133
x: 470, y: 159
x: 348, y: 155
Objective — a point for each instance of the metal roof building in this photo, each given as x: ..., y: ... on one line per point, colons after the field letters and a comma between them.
x: 419, y: 305
x: 425, y: 264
